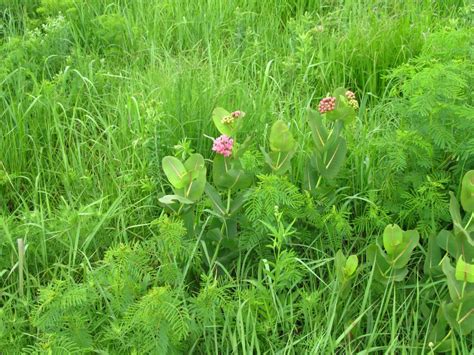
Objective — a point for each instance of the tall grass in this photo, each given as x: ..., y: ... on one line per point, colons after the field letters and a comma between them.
x: 94, y: 93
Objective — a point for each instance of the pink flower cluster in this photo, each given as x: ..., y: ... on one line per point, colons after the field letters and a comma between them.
x: 236, y: 114
x: 223, y: 145
x: 230, y: 119
x: 327, y: 104
x: 351, y: 97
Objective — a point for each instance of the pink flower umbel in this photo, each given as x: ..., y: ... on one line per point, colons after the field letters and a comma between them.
x: 350, y: 95
x: 351, y: 98
x: 237, y: 114
x: 223, y: 145
x: 231, y: 118
x: 327, y: 104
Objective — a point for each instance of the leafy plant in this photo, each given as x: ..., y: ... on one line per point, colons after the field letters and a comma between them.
x: 457, y: 314
x: 330, y: 147
x: 458, y: 242
x: 346, y: 268
x: 188, y: 181
x: 390, y: 263
x: 282, y: 146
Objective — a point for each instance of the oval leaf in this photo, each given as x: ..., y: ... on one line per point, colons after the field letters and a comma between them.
x: 467, y: 192
x: 464, y: 271
x: 217, y: 115
x: 351, y: 265
x: 175, y: 171
x: 281, y: 139
x: 169, y: 199
x: 392, y: 239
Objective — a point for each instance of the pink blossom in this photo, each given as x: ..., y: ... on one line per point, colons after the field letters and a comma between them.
x: 327, y: 104
x: 352, y: 99
x: 236, y: 114
x: 223, y: 145
x: 232, y: 117
x: 350, y: 95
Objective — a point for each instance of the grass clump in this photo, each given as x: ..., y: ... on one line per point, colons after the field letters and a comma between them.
x: 328, y: 211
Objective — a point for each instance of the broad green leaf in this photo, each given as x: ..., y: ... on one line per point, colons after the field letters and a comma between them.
x: 409, y: 243
x: 281, y: 139
x: 454, y: 209
x: 340, y: 91
x: 228, y: 173
x: 195, y: 188
x: 392, y: 239
x: 170, y: 207
x: 438, y: 334
x: 454, y: 286
x: 220, y: 168
x: 217, y: 115
x: 433, y: 257
x: 376, y: 257
x: 329, y: 162
x: 169, y: 199
x: 238, y: 201
x: 239, y: 149
x: 240, y: 179
x: 309, y: 177
x: 216, y: 200
x: 335, y: 158
x: 351, y: 265
x: 464, y: 271
x: 447, y: 241
x: 461, y: 316
x: 457, y: 244
x: 467, y: 192
x: 335, y: 133
x: 194, y: 164
x: 174, y: 171
x: 281, y: 161
x: 319, y: 132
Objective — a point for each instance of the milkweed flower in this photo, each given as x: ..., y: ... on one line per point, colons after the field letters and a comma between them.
x: 234, y: 115
x: 351, y: 97
x: 327, y: 104
x: 237, y: 114
x: 223, y: 145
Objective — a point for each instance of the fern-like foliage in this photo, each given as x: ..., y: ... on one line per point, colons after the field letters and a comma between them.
x: 271, y: 191
x: 433, y: 110
x: 123, y: 276
x: 170, y: 249
x: 65, y: 308
x: 156, y: 323
x: 14, y: 326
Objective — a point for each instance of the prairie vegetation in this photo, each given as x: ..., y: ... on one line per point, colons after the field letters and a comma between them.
x: 236, y: 176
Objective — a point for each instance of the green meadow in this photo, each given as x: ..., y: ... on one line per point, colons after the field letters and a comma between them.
x: 236, y: 177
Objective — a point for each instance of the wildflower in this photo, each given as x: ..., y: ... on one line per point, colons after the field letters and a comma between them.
x: 350, y: 95
x: 352, y: 100
x: 237, y: 114
x: 234, y: 115
x: 223, y: 145
x: 327, y: 104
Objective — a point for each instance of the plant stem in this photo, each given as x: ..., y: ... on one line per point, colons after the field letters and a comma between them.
x: 21, y: 262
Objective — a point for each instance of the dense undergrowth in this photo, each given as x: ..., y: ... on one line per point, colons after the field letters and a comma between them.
x: 127, y: 226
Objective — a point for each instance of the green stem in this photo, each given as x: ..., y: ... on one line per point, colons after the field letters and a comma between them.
x: 228, y: 201
x: 318, y: 182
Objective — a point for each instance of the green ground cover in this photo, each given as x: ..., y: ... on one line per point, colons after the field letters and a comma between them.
x: 128, y: 226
